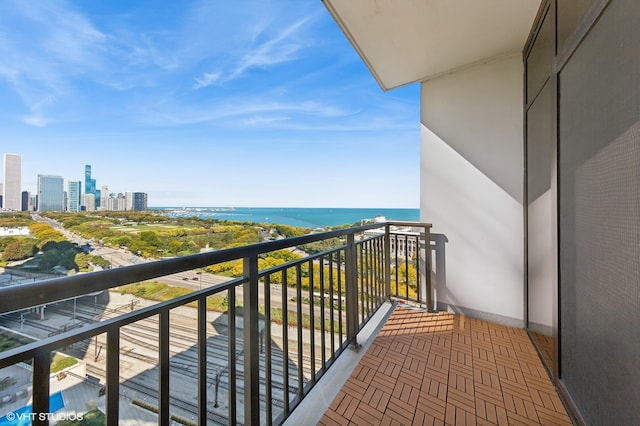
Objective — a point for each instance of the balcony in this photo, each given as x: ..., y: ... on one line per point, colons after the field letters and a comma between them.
x: 285, y: 329
x: 177, y: 361
x: 443, y: 368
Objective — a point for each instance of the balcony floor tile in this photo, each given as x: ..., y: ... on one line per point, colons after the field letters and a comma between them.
x: 425, y: 368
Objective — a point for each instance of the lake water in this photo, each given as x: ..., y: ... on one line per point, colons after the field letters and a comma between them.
x: 306, y: 217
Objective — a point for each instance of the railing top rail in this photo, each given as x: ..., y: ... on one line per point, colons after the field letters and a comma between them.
x: 27, y: 351
x: 23, y: 296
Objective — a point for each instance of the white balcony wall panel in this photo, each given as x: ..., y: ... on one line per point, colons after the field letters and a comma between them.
x: 472, y: 186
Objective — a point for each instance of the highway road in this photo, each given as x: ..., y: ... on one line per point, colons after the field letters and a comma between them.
x: 194, y: 280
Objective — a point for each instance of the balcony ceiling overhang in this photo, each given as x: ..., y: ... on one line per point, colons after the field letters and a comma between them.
x: 404, y: 41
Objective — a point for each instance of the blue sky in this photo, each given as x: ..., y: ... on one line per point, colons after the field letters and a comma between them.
x: 204, y: 103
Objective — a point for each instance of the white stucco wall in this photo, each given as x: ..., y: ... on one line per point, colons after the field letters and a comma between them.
x: 472, y: 186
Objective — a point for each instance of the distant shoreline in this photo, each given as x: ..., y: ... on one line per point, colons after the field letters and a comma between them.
x: 310, y: 217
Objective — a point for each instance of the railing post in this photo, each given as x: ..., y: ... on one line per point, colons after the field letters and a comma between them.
x: 164, y: 390
x: 428, y: 265
x: 41, y: 371
x: 387, y: 261
x: 251, y: 332
x: 113, y: 376
x: 202, y: 361
x: 351, y: 270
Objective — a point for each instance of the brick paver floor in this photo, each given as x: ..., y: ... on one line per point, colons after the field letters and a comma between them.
x: 443, y: 368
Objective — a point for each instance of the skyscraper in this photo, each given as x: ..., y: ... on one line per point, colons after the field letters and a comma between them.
x: 50, y: 193
x: 90, y: 202
x: 12, y: 191
x: 26, y: 201
x: 128, y: 201
x: 139, y: 201
x: 90, y: 185
x: 103, y: 194
x: 75, y: 194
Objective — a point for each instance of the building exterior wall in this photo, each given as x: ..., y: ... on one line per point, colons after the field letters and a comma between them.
x: 75, y: 192
x: 90, y: 188
x: 472, y: 186
x: 12, y: 185
x: 6, y: 231
x: 139, y: 201
x: 26, y: 201
x: 90, y: 202
x: 50, y: 193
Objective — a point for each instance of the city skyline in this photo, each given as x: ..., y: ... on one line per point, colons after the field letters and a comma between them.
x: 51, y: 195
x: 204, y: 104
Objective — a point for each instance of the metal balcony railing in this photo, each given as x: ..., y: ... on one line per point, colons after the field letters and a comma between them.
x: 285, y: 326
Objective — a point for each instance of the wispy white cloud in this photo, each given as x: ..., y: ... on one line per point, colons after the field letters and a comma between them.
x: 276, y: 50
x: 207, y: 79
x: 38, y: 117
x: 44, y: 46
x: 264, y: 121
x: 264, y: 50
x: 258, y: 110
x: 190, y: 82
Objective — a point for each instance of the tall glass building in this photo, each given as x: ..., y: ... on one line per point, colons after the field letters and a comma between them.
x: 50, y: 193
x: 139, y: 201
x: 11, y: 190
x: 90, y: 185
x: 75, y: 193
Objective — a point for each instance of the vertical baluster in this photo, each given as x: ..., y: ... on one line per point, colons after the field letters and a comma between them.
x: 331, y: 305
x: 351, y: 292
x: 387, y: 264
x: 406, y: 267
x: 41, y: 372
x: 285, y: 343
x: 113, y: 376
x: 396, y: 242
x: 312, y: 328
x: 232, y: 351
x: 339, y: 285
x: 361, y: 278
x: 370, y: 277
x: 163, y: 370
x: 323, y: 343
x: 419, y: 275
x: 299, y: 330
x: 267, y: 349
x: 202, y: 361
x: 428, y: 266
x: 251, y: 348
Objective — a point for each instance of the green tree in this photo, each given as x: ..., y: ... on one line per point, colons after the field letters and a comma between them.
x: 19, y: 249
x: 5, y: 241
x: 82, y: 261
x: 67, y: 259
x: 290, y: 231
x: 324, y: 245
x: 100, y: 261
x: 49, y: 260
